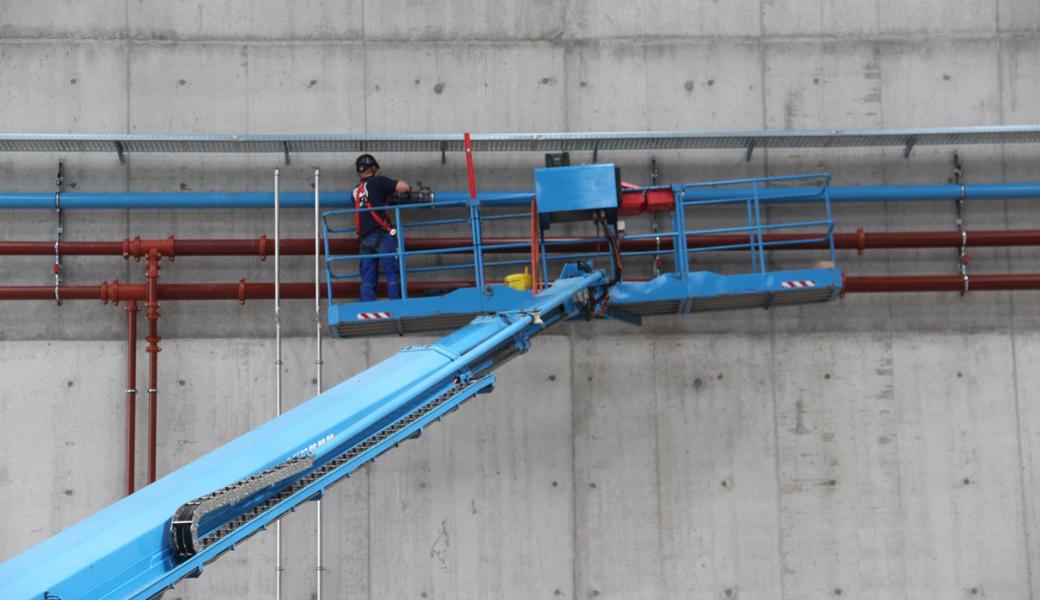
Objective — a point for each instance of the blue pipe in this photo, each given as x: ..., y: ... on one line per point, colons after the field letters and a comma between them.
x: 843, y: 194
x: 121, y: 200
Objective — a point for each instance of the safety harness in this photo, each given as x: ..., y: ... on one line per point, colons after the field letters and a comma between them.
x: 361, y: 201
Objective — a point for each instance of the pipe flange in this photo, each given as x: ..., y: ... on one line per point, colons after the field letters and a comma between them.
x: 262, y: 247
x: 113, y: 292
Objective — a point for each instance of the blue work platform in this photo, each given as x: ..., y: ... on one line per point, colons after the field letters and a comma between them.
x: 682, y: 289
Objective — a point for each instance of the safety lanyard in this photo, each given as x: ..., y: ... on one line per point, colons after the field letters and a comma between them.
x: 361, y: 201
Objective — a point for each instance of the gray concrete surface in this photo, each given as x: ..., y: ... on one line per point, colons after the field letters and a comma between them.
x: 875, y: 447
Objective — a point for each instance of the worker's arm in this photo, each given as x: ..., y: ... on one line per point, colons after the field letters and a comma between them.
x: 402, y: 187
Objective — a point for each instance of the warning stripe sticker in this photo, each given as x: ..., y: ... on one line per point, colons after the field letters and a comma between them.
x: 805, y: 283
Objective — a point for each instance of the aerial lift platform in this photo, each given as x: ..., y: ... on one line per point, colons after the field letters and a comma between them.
x: 143, y: 545
x: 594, y: 193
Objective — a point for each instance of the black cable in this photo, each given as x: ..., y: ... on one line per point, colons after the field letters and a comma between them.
x: 615, y: 247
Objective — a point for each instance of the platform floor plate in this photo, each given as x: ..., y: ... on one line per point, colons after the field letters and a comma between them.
x: 732, y: 302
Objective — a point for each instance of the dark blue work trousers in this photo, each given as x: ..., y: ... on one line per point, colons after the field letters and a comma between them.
x: 379, y: 242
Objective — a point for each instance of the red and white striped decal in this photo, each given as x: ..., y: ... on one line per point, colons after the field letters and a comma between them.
x: 374, y: 315
x: 805, y: 283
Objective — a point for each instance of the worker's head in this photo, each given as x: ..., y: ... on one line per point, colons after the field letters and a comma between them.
x: 366, y: 165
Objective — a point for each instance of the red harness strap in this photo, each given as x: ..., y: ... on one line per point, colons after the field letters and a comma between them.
x: 361, y: 201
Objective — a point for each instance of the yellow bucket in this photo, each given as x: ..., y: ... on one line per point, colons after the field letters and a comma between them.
x: 519, y: 281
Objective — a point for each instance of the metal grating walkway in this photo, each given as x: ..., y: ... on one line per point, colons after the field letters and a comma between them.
x: 519, y: 142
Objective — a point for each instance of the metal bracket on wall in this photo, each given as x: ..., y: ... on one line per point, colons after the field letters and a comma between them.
x: 59, y: 183
x: 748, y: 149
x: 121, y: 152
x: 285, y: 147
x: 557, y: 159
x: 909, y: 146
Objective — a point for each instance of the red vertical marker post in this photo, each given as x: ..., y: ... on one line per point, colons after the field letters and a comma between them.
x: 478, y: 252
x: 469, y: 167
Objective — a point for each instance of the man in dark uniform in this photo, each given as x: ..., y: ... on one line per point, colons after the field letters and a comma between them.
x: 376, y: 232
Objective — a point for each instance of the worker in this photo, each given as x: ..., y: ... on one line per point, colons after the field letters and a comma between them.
x: 376, y: 232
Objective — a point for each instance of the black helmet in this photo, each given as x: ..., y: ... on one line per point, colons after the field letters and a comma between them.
x: 365, y: 162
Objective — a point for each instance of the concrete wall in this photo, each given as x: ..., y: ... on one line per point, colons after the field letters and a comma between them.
x: 875, y: 447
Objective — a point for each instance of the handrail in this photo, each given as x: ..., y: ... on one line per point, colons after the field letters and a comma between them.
x: 401, y: 254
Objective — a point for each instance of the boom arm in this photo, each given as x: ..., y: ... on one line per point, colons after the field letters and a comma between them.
x: 142, y: 545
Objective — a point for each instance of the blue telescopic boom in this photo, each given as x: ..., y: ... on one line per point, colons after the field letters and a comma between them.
x: 144, y: 544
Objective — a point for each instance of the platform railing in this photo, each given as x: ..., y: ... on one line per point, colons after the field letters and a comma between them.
x: 404, y: 221
x: 756, y: 225
x: 812, y: 188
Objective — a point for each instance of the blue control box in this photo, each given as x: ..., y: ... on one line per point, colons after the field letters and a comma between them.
x: 574, y: 193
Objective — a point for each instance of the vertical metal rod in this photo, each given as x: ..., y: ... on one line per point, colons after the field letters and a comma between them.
x: 958, y: 173
x: 682, y: 251
x: 318, y: 360
x: 758, y: 228
x: 545, y: 260
x: 131, y: 392
x: 328, y: 269
x: 830, y: 219
x: 751, y: 236
x: 278, y: 368
x: 535, y: 246
x: 478, y: 248
x: 60, y: 233
x: 653, y: 222
x: 153, y: 349
x: 401, y: 267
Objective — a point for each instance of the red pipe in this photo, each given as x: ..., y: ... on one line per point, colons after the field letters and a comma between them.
x: 241, y: 291
x: 153, y: 350
x: 131, y: 392
x: 941, y: 283
x: 121, y: 292
x: 262, y: 247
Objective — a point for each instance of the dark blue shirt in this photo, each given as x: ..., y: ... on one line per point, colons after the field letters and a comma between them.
x: 378, y: 190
